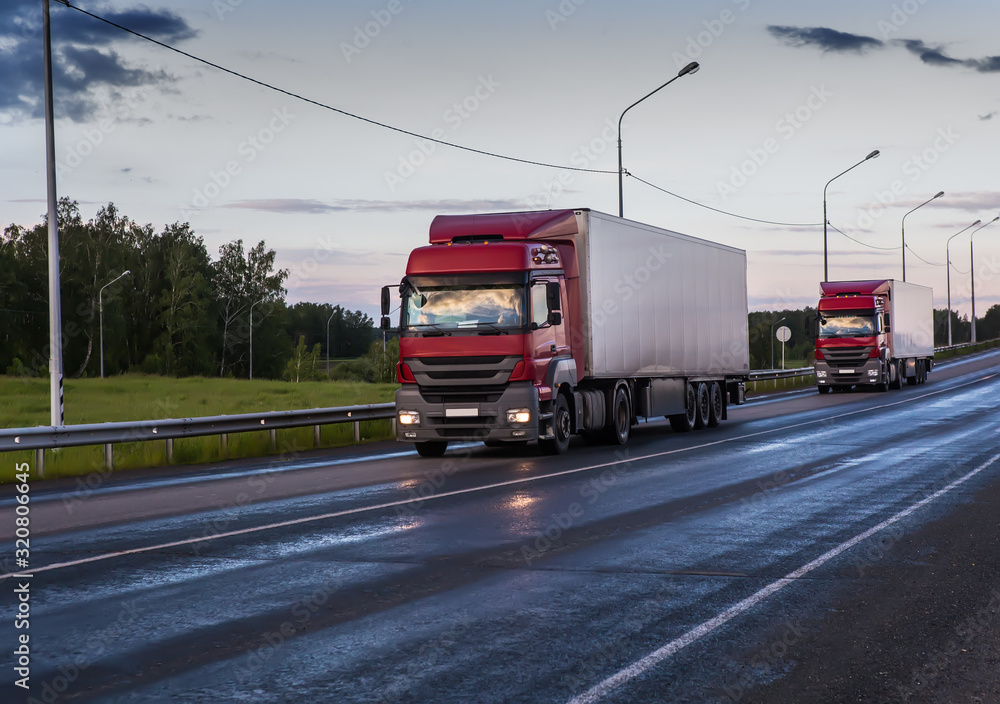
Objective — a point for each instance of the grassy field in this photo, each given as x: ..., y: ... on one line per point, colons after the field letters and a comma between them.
x: 25, y: 402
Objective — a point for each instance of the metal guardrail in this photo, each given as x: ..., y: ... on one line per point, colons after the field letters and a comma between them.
x: 43, y: 438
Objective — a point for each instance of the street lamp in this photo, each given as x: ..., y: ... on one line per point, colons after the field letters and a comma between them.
x: 690, y: 68
x: 947, y: 253
x: 100, y: 307
x: 328, y: 341
x: 251, y: 335
x: 772, y: 340
x: 972, y: 274
x: 902, y: 227
x: 826, y: 268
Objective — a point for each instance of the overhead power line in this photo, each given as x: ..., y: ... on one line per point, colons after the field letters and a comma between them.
x: 317, y: 103
x: 908, y: 247
x: 724, y: 212
x: 864, y: 244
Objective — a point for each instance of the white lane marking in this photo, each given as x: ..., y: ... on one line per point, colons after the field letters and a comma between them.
x: 601, y: 689
x: 485, y: 487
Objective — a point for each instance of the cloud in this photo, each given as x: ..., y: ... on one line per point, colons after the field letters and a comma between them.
x: 934, y: 56
x: 971, y: 201
x: 85, y: 67
x: 829, y: 39
x: 315, y: 207
x: 824, y: 38
x: 988, y: 116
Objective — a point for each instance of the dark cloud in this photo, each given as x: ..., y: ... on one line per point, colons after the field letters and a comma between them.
x: 824, y: 38
x: 990, y: 64
x: 315, y: 207
x: 84, y: 61
x: 988, y: 116
x: 934, y: 56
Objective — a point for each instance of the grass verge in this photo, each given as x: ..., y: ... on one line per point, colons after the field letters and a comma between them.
x: 25, y: 403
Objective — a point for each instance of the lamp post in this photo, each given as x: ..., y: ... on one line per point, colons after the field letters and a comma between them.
x: 690, y: 68
x: 100, y: 308
x: 772, y: 340
x: 328, y: 341
x: 251, y: 335
x: 972, y: 274
x: 902, y: 227
x: 947, y: 253
x: 55, y: 302
x: 826, y: 268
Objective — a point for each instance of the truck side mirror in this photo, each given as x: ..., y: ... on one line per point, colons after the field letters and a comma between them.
x: 555, y: 318
x: 552, y: 298
x: 384, y: 323
x: 386, y: 301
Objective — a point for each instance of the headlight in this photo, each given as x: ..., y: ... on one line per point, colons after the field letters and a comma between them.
x: 820, y: 375
x: 873, y: 372
x: 518, y: 415
x: 409, y: 417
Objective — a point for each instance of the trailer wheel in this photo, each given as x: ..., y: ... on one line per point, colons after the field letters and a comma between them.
x: 562, y: 428
x: 915, y: 379
x: 684, y: 422
x: 432, y: 448
x: 704, y: 406
x: 619, y: 420
x: 896, y: 381
x: 715, y: 408
x: 921, y: 372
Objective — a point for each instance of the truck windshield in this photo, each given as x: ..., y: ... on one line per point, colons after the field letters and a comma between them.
x: 847, y: 324
x: 490, y: 306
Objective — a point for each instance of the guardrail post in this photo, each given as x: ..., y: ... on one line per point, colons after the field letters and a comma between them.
x: 315, y: 436
x: 108, y: 463
x: 170, y: 450
x: 392, y: 426
x: 40, y: 463
x: 357, y: 431
x: 224, y: 442
x: 274, y: 439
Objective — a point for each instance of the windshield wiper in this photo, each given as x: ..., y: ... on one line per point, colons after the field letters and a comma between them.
x: 438, y: 331
x: 496, y: 329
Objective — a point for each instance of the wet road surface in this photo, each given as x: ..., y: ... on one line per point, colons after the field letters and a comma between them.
x: 780, y: 554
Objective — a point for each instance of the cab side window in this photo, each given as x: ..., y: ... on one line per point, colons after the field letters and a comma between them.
x: 539, y: 307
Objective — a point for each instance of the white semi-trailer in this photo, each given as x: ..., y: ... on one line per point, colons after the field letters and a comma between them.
x: 540, y: 325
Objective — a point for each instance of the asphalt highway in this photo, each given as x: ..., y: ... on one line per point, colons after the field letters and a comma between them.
x: 813, y: 548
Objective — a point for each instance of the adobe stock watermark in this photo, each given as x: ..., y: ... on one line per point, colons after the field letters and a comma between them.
x: 913, y: 169
x: 91, y: 138
x: 249, y: 149
x: 582, y: 157
x: 224, y: 7
x: 365, y: 34
x: 454, y: 117
x: 562, y: 12
x: 786, y: 127
x: 713, y: 29
x: 901, y: 14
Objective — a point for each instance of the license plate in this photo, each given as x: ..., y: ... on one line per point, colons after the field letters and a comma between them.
x: 461, y: 412
x: 846, y: 371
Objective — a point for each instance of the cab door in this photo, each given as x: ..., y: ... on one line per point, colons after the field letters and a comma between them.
x: 547, y: 340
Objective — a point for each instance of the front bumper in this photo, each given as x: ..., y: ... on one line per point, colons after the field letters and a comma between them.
x: 466, y: 420
x: 868, y: 373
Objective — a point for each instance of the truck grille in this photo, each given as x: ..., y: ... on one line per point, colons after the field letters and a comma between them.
x: 846, y: 356
x: 467, y: 394
x: 432, y: 373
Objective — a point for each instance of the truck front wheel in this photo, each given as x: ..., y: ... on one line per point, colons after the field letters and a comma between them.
x: 562, y: 428
x: 431, y: 448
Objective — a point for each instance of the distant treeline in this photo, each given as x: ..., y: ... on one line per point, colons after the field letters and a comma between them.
x: 801, y: 346
x: 178, y: 313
